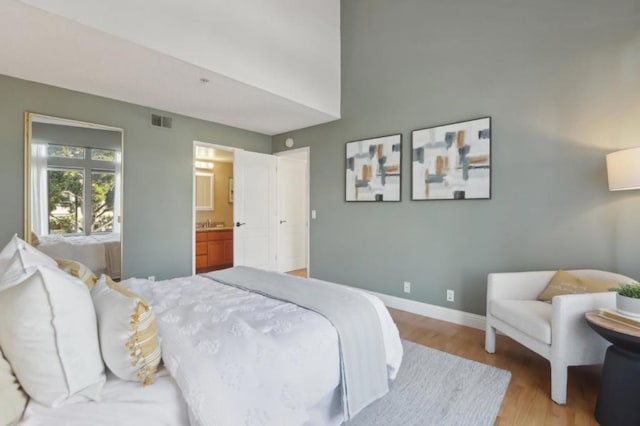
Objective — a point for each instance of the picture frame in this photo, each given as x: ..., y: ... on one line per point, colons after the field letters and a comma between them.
x: 373, y: 169
x: 452, y: 161
x: 230, y: 190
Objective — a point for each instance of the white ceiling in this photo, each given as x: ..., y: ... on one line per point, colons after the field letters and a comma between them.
x: 272, y: 66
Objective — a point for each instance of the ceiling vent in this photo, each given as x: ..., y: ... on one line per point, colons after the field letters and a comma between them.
x: 158, y: 120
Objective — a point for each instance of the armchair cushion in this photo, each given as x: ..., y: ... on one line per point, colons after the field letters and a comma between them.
x: 564, y: 282
x: 531, y: 317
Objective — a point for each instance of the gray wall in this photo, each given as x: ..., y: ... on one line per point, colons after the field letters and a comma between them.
x: 561, y: 80
x: 157, y: 232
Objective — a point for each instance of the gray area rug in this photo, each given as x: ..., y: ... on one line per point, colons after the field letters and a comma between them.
x: 436, y: 388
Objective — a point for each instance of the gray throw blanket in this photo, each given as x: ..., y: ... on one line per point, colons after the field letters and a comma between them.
x: 362, y: 352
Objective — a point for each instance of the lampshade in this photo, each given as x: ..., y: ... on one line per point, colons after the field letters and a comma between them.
x: 623, y: 169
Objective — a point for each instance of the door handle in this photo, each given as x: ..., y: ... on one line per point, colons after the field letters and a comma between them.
x: 238, y: 224
x: 283, y: 221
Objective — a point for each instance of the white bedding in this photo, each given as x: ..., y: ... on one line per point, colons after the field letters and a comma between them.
x: 123, y: 404
x: 238, y: 357
x: 89, y: 250
x: 242, y: 358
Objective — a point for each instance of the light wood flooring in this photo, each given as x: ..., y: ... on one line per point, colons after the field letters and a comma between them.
x: 527, y: 401
x: 299, y: 273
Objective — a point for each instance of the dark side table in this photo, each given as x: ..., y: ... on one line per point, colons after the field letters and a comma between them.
x: 619, y: 397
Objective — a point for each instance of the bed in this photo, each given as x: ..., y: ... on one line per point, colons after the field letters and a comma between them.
x: 123, y: 403
x: 99, y: 252
x: 252, y: 359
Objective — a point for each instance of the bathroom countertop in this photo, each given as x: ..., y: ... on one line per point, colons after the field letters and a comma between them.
x: 225, y: 228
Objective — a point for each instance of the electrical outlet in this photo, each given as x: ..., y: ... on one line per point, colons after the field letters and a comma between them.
x: 407, y: 287
x: 313, y: 214
x: 450, y: 295
x: 152, y: 277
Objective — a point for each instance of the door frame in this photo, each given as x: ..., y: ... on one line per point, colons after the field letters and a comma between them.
x: 295, y: 153
x: 289, y: 153
x: 193, y: 193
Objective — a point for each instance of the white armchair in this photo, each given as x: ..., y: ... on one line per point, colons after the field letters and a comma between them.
x: 556, y: 331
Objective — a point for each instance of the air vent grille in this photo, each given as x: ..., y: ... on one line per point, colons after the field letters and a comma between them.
x: 158, y: 120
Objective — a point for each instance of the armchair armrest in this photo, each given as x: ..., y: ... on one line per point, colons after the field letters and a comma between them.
x: 517, y: 285
x: 573, y: 340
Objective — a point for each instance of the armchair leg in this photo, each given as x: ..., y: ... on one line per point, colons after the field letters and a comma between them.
x: 490, y: 339
x: 559, y: 383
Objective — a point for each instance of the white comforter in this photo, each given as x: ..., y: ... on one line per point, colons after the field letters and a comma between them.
x: 245, y: 359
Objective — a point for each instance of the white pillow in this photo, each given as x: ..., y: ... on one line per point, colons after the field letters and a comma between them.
x: 48, y: 330
x: 12, y: 398
x: 18, y: 260
x: 128, y: 331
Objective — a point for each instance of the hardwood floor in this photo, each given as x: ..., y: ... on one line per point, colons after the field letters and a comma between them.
x: 299, y: 273
x: 528, y: 400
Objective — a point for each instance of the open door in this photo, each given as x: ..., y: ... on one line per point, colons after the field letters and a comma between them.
x: 292, y: 214
x: 255, y: 203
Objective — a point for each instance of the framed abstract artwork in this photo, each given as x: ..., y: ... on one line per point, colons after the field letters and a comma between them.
x: 373, y: 169
x: 452, y: 162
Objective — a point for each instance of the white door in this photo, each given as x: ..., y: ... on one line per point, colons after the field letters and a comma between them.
x: 292, y: 214
x: 255, y: 202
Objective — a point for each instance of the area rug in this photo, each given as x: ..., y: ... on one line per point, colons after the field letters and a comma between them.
x: 436, y: 388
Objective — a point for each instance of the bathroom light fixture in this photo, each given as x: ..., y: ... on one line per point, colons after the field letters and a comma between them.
x: 204, y: 165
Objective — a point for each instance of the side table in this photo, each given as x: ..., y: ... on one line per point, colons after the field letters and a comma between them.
x: 618, y: 398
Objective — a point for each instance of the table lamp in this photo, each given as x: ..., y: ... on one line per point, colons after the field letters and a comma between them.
x: 623, y: 169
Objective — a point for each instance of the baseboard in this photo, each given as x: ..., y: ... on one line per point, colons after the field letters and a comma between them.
x: 433, y: 311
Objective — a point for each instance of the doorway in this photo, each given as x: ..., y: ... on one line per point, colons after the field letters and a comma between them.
x: 212, y: 207
x: 293, y: 210
x: 268, y: 195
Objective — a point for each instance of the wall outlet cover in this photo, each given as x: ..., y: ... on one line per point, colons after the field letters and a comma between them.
x: 450, y: 295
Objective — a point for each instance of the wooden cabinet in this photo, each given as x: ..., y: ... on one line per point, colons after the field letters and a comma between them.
x: 228, y: 251
x: 214, y: 250
x: 216, y: 253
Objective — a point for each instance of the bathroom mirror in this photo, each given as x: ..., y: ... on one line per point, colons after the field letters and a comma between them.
x: 204, y: 191
x: 73, y: 191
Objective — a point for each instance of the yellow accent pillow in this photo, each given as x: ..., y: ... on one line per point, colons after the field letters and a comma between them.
x: 79, y: 271
x: 35, y: 241
x: 128, y: 331
x: 564, y: 282
x: 13, y: 400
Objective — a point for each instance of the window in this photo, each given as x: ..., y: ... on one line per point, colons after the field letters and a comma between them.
x: 103, y: 155
x: 66, y: 189
x: 81, y: 189
x: 103, y: 190
x: 62, y: 151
